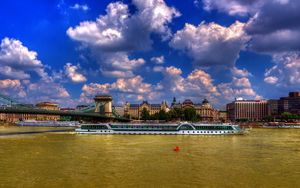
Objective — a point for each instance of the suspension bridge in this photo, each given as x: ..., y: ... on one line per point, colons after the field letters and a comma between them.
x: 88, y: 113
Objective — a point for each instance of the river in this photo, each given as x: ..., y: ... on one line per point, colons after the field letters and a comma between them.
x: 263, y: 158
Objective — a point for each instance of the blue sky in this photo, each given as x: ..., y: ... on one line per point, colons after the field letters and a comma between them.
x: 67, y: 51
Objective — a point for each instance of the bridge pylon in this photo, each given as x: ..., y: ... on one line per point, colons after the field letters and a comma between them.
x: 103, y: 105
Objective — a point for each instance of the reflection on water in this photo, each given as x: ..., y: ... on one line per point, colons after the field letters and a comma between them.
x: 264, y: 158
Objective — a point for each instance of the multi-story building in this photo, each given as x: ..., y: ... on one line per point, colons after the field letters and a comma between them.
x: 223, y: 116
x: 251, y: 110
x: 134, y: 110
x: 204, y: 109
x: 273, y: 107
x: 47, y: 106
x: 290, y: 104
x: 119, y: 109
x: 13, y: 117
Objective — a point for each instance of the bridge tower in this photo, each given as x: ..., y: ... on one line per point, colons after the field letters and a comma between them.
x: 103, y: 104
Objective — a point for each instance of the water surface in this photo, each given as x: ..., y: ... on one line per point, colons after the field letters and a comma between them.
x: 264, y: 158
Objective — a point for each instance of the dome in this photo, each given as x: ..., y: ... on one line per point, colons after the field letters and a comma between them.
x: 205, y: 101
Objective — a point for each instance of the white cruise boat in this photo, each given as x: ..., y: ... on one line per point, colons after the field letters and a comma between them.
x: 166, y: 129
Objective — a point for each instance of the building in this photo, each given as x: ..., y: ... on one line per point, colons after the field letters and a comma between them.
x: 134, y: 110
x: 250, y: 110
x: 290, y: 104
x: 10, y: 117
x: 7, y: 117
x: 47, y: 106
x: 273, y: 107
x: 119, y: 110
x: 223, y: 116
x: 204, y: 109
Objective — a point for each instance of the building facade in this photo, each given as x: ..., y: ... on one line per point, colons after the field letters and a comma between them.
x: 11, y: 117
x: 119, y: 110
x: 290, y: 104
x: 134, y: 110
x: 47, y: 106
x: 204, y: 109
x: 223, y: 117
x: 273, y: 107
x: 250, y: 110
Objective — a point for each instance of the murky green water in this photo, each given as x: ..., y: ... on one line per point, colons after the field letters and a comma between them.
x: 264, y: 158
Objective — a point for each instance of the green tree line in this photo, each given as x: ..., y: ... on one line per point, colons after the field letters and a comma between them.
x: 188, y: 114
x: 285, y: 116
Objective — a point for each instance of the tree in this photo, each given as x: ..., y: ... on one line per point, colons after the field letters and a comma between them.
x: 162, y: 115
x: 190, y: 114
x: 175, y: 114
x: 145, y: 115
x: 289, y: 116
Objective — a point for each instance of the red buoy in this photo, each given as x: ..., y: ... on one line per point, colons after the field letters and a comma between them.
x: 176, y: 148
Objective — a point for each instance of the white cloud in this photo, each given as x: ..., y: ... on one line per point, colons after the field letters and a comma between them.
x: 17, y: 58
x: 17, y: 63
x: 271, y: 79
x: 158, y: 60
x: 77, y: 6
x: 156, y: 15
x: 118, y: 30
x: 117, y: 73
x: 72, y: 74
x: 203, y: 43
x: 122, y: 89
x: 238, y: 87
x: 240, y: 72
x: 233, y: 7
x: 119, y: 65
x: 9, y: 72
x: 285, y: 72
x: 198, y: 84
x: 112, y: 36
x: 241, y: 82
x: 12, y: 88
x: 158, y: 69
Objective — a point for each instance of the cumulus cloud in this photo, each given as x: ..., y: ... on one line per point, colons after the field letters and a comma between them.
x: 113, y: 35
x: 73, y: 74
x: 233, y: 7
x: 158, y: 60
x: 285, y: 72
x: 119, y: 65
x: 240, y: 72
x: 9, y: 72
x: 274, y: 28
x: 197, y: 84
x: 122, y: 89
x: 271, y: 79
x: 15, y: 59
x: 238, y: 87
x: 9, y: 87
x: 203, y: 43
x: 17, y: 63
x: 118, y: 30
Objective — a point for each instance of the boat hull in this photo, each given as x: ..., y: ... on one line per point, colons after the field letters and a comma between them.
x: 196, y: 132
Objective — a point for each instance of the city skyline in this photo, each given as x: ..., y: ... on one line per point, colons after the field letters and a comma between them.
x: 69, y: 51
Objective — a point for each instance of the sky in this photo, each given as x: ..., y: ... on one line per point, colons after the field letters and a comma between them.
x: 68, y: 51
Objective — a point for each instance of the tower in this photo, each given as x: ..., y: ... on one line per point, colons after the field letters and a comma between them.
x: 103, y: 104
